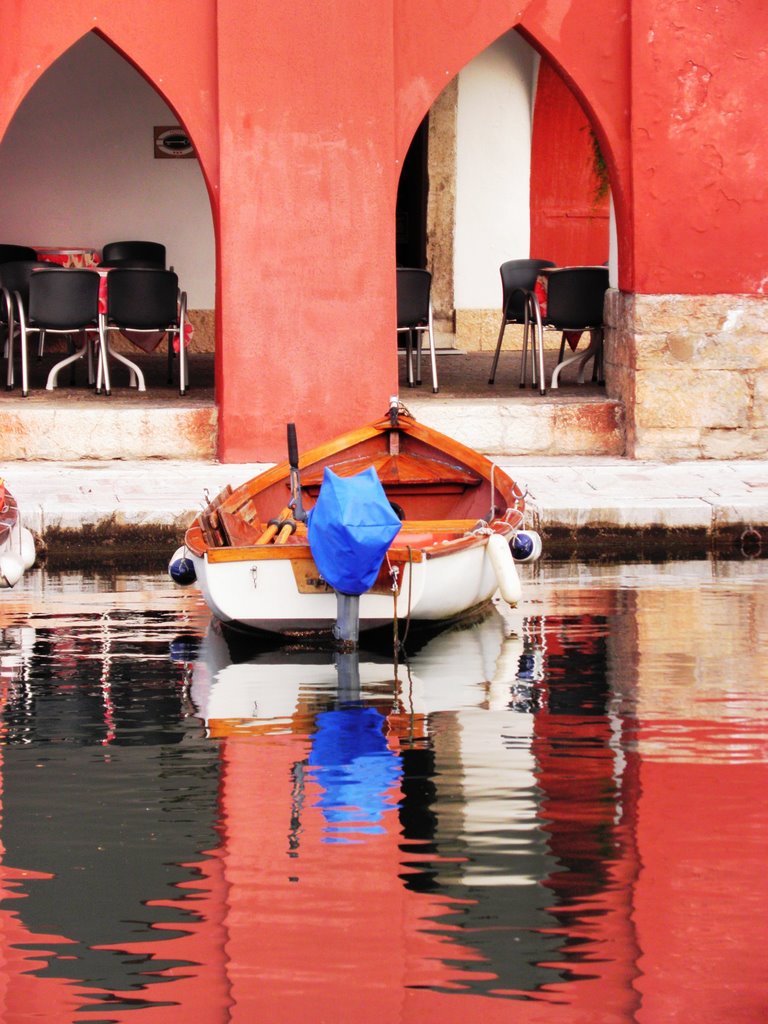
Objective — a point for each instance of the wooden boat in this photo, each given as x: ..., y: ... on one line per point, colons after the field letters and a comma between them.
x: 459, y: 513
x: 17, y: 545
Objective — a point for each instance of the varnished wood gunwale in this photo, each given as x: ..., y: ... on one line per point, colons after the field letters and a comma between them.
x: 440, y: 543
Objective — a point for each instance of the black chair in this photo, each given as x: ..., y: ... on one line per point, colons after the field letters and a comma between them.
x: 575, y: 300
x: 132, y: 263
x: 518, y: 283
x: 63, y: 302
x: 11, y: 253
x: 148, y: 302
x: 414, y: 318
x: 149, y: 253
x: 14, y: 282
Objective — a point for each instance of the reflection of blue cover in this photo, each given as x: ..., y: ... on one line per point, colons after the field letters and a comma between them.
x: 355, y: 768
x: 350, y: 529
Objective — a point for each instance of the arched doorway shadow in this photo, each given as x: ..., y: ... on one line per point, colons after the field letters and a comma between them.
x: 80, y: 166
x: 509, y: 173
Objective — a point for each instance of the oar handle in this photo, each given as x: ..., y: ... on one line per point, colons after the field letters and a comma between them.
x: 293, y: 447
x: 274, y: 526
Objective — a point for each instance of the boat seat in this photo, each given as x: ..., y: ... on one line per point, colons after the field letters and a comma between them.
x: 401, y: 473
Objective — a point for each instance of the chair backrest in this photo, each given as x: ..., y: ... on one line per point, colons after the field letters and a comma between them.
x: 141, y: 264
x: 10, y: 253
x: 152, y: 252
x: 15, y: 276
x: 575, y: 297
x: 518, y: 276
x: 63, y: 299
x: 413, y: 291
x: 141, y: 298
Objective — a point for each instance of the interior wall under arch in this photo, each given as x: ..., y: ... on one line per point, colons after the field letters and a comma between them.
x: 77, y: 167
x: 494, y: 116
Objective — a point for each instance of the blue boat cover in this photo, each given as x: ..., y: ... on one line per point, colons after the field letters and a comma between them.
x: 350, y: 529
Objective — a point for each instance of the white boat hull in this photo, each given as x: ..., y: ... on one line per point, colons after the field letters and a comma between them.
x: 17, y: 545
x: 264, y: 594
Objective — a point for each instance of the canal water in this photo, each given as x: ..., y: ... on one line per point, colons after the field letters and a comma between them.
x: 555, y: 815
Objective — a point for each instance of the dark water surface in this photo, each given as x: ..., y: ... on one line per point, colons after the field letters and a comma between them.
x: 557, y: 815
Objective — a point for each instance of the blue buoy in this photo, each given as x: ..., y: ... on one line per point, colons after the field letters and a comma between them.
x: 181, y: 569
x: 526, y: 546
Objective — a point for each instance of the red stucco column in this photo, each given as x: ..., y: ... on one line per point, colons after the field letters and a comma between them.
x: 307, y: 255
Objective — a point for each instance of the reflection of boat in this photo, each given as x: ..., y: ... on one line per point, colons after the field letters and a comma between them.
x: 279, y: 692
x: 458, y: 513
x: 17, y: 546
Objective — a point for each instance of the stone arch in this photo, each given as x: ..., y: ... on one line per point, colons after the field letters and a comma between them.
x: 500, y: 78
x: 85, y: 186
x: 587, y: 45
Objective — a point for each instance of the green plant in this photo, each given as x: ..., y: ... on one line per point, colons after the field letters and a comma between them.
x: 600, y: 170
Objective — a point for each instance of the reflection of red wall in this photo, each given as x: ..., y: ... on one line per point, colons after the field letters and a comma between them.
x: 333, y: 933
x: 200, y: 988
x: 567, y: 224
x: 702, y: 893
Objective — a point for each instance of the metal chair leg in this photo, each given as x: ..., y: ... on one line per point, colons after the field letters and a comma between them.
x: 524, y: 353
x: 409, y: 356
x: 430, y: 331
x: 495, y: 363
x: 539, y: 335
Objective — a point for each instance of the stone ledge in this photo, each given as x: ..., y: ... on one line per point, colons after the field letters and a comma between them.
x: 516, y: 428
x: 112, y: 431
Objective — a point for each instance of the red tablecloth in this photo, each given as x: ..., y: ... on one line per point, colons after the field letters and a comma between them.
x: 79, y: 257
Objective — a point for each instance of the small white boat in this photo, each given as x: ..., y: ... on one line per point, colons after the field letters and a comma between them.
x: 252, y: 557
x: 17, y: 545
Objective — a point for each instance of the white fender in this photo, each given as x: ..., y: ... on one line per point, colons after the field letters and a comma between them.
x: 506, y: 571
x: 11, y: 570
x: 27, y: 546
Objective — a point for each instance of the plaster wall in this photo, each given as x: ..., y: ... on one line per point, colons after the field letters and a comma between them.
x: 78, y: 168
x: 495, y: 103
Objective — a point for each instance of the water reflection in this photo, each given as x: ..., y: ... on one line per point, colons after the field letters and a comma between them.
x: 549, y: 808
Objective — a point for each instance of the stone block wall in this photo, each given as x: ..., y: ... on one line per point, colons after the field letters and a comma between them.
x: 692, y: 372
x: 203, y: 333
x: 477, y: 330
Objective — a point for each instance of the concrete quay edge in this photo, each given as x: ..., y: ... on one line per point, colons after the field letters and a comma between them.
x: 136, y: 501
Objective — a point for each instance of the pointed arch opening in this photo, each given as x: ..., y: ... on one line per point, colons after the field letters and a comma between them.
x: 80, y: 166
x: 512, y: 169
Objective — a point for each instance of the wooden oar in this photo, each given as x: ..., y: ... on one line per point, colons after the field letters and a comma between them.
x: 274, y: 526
x: 285, y: 531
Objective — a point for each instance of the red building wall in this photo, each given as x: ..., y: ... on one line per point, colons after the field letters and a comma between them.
x: 569, y: 215
x: 302, y: 114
